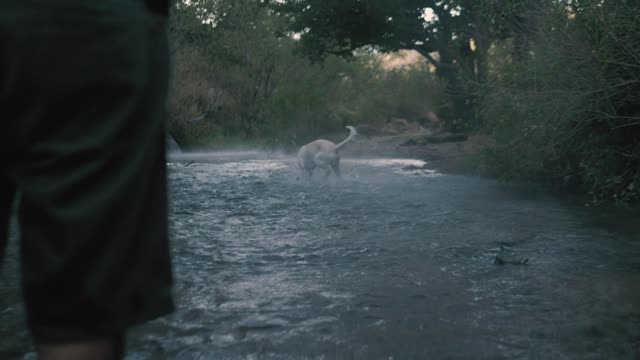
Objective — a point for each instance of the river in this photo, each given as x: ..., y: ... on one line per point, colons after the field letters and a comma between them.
x: 394, y: 262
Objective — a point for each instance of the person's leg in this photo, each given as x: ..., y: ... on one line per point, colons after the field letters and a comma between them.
x: 7, y: 187
x: 7, y: 195
x: 99, y: 349
x: 94, y: 245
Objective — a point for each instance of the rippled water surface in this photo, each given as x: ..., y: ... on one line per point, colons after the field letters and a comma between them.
x: 395, y: 262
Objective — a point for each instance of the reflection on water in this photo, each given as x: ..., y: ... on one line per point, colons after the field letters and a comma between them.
x: 384, y: 264
x: 388, y: 162
x: 398, y: 166
x: 214, y: 172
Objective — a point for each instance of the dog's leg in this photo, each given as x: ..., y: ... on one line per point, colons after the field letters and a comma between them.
x: 306, y: 174
x: 327, y: 172
x: 336, y: 170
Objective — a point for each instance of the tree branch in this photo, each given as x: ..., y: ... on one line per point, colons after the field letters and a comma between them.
x: 432, y: 60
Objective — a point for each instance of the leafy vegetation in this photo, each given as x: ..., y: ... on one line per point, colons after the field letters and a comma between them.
x: 569, y: 110
x: 554, y: 85
x: 239, y: 78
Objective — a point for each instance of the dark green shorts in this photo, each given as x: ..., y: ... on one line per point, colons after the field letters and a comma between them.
x: 83, y: 88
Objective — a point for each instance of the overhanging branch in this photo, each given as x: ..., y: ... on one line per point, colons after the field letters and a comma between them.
x: 438, y: 64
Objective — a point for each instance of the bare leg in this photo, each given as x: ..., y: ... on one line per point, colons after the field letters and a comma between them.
x: 99, y: 349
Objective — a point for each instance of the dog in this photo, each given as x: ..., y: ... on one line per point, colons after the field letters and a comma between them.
x: 322, y: 154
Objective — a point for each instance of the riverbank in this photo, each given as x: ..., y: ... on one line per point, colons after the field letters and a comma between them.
x: 444, y: 152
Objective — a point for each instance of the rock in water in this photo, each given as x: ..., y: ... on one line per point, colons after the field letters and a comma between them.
x: 502, y: 259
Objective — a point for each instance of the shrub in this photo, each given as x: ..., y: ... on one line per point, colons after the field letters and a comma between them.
x: 571, y: 109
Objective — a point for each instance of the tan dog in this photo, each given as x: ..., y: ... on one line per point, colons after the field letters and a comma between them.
x: 322, y: 154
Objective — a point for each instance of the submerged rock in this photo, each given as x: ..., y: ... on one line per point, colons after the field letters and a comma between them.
x: 503, y: 259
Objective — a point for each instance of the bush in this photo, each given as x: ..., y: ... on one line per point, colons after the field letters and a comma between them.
x: 237, y: 85
x: 571, y: 109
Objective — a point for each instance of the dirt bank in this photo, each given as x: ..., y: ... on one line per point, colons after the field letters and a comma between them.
x: 445, y: 152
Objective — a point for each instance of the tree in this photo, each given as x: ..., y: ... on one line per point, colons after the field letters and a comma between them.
x: 237, y: 79
x: 227, y: 54
x: 453, y: 35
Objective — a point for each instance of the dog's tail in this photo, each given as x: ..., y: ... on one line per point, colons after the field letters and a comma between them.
x: 352, y: 134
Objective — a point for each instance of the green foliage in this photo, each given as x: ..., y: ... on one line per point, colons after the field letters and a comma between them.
x: 570, y: 110
x: 227, y: 61
x: 556, y: 85
x: 342, y: 26
x: 243, y: 81
x: 323, y: 98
